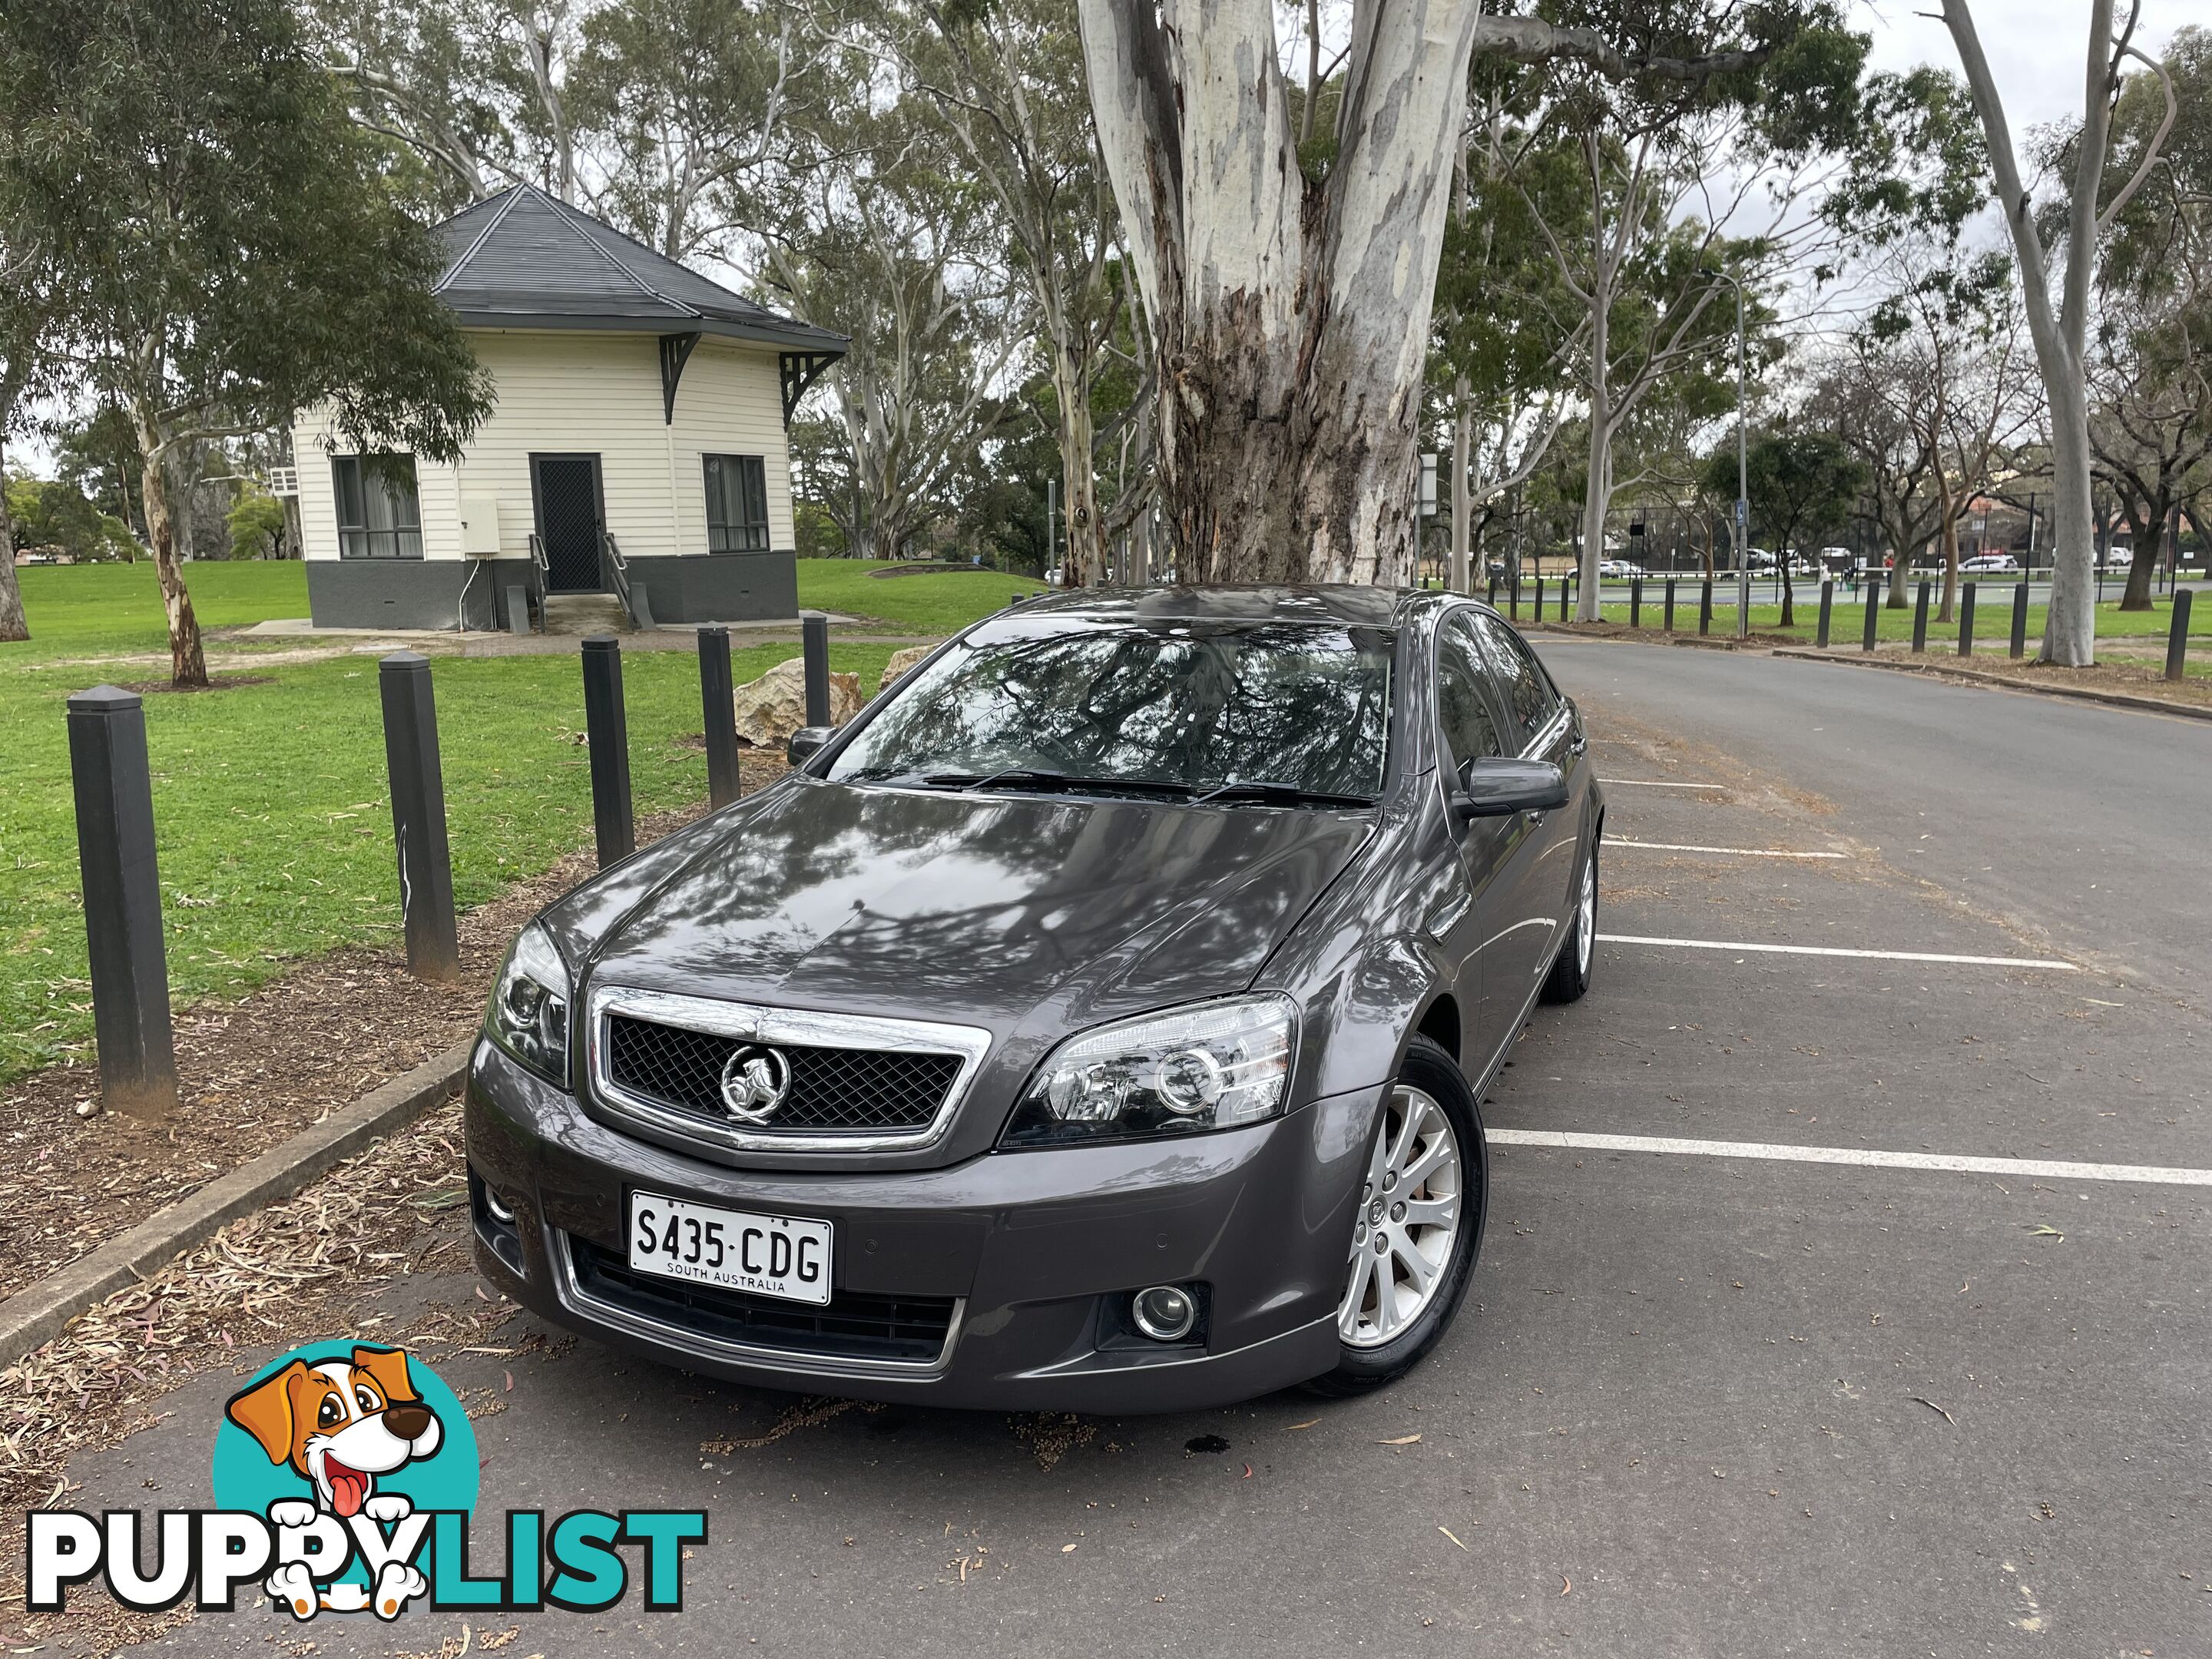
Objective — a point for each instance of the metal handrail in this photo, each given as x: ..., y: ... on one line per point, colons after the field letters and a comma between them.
x: 544, y: 571
x: 620, y: 566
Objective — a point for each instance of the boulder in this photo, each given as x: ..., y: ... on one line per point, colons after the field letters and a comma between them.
x: 901, y: 660
x: 770, y: 709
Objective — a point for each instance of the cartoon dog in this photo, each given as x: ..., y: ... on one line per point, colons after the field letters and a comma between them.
x: 339, y: 1426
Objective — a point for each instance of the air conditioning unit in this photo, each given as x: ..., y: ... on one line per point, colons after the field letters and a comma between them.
x: 283, y: 480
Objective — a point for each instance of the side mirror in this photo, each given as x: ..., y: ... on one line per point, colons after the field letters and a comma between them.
x: 1497, y: 788
x: 807, y: 742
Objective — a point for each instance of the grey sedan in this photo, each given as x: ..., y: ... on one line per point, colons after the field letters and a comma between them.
x: 1098, y: 1021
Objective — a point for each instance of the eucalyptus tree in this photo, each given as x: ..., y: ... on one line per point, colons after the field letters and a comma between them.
x: 2150, y: 376
x: 1801, y: 483
x: 1006, y: 78
x: 233, y: 254
x: 1659, y: 195
x: 1290, y: 292
x: 877, y: 239
x: 2056, y: 282
x: 678, y: 104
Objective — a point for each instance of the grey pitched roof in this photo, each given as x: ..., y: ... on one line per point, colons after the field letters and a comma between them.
x: 524, y: 260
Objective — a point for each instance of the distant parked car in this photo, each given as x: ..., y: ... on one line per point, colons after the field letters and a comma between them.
x: 2119, y: 558
x: 1985, y: 562
x: 1624, y: 568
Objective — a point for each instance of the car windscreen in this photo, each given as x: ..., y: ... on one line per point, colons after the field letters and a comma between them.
x: 1178, y: 706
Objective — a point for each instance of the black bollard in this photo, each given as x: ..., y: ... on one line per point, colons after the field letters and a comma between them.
x: 1920, y: 621
x: 1492, y: 595
x: 1538, y: 611
x: 1636, y: 601
x: 814, y: 633
x: 1669, y: 622
x: 1966, y: 620
x: 1705, y: 607
x: 2177, y: 635
x: 1565, y: 583
x: 717, y: 703
x: 418, y: 817
x: 130, y: 965
x: 606, y: 729
x: 1873, y: 615
x: 1827, y: 610
x: 2020, y: 620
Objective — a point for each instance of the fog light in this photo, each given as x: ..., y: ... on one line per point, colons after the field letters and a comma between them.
x: 1165, y: 1312
x: 499, y: 1211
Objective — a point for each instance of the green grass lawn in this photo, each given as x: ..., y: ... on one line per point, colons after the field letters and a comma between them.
x: 84, y: 610
x: 274, y: 825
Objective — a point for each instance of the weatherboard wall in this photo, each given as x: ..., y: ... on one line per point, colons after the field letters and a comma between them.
x: 583, y: 392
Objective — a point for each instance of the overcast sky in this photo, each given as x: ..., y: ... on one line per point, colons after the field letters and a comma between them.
x: 2037, y: 47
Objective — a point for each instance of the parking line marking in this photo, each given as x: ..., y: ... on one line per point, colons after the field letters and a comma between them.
x: 1831, y: 950
x: 2049, y: 1169
x: 1736, y: 852
x: 1658, y: 783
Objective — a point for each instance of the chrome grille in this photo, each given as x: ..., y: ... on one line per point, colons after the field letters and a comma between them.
x: 832, y: 1089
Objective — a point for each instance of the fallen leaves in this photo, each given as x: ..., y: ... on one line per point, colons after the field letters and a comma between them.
x: 1933, y: 1406
x: 1449, y: 1534
x: 1402, y: 1440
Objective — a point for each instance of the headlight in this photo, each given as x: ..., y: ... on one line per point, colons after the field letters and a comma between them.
x: 529, y: 1012
x: 1216, y: 1066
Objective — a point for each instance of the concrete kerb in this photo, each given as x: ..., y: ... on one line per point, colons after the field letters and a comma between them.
x: 2007, y: 682
x: 42, y: 1311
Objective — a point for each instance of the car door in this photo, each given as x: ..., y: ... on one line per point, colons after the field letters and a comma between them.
x: 1539, y: 724
x: 1481, y: 935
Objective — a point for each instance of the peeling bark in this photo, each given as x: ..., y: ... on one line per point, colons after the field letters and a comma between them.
x: 1291, y: 317
x: 187, y: 659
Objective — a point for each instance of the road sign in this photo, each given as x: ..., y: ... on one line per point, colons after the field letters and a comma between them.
x: 1742, y: 512
x: 1429, y: 486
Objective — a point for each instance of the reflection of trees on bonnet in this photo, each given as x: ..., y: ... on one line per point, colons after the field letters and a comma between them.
x: 1198, y: 703
x: 898, y: 894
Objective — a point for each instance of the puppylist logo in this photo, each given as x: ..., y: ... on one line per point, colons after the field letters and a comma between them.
x: 345, y: 1481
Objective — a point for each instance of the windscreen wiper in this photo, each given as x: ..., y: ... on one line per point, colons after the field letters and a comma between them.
x: 1031, y: 777
x: 1268, y: 793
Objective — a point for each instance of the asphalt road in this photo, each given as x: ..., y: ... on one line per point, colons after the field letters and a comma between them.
x: 1698, y: 1403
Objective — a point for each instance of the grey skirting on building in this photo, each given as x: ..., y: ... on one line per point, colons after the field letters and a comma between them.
x: 439, y: 593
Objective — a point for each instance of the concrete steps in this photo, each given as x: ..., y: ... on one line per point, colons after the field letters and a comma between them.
x: 585, y: 613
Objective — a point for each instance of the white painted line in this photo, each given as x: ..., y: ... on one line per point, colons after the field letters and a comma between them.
x: 1737, y: 852
x: 2047, y: 1168
x: 1830, y: 951
x: 1658, y: 783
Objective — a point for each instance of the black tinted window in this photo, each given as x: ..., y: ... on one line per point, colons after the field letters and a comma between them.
x: 1194, y: 704
x: 1461, y: 708
x: 1527, y: 695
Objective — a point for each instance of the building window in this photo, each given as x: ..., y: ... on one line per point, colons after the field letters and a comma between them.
x: 379, y: 516
x: 736, y: 504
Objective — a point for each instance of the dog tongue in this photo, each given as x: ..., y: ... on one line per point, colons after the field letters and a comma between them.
x: 347, y: 1488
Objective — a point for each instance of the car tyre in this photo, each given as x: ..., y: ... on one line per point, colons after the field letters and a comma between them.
x: 1570, y: 978
x: 1430, y: 1087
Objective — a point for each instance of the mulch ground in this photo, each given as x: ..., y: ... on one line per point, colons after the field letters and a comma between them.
x: 251, y: 1073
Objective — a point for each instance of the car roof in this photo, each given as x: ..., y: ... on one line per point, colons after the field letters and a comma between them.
x: 1347, y: 605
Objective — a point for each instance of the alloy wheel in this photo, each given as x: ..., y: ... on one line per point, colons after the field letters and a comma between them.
x: 1408, y: 1222
x: 1586, y: 914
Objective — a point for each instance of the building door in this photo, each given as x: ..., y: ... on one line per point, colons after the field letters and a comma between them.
x: 564, y: 490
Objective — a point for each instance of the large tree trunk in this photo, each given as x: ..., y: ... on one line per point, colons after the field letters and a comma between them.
x: 2059, y: 331
x: 2150, y: 541
x: 187, y: 660
x: 1291, y: 318
x: 13, y: 627
x: 1078, y: 479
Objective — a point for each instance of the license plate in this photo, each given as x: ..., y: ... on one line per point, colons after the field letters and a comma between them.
x: 776, y: 1255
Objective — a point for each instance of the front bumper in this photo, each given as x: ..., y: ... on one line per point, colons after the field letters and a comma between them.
x: 1035, y: 1251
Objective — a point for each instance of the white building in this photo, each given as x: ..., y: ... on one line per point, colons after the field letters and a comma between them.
x: 637, y: 449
